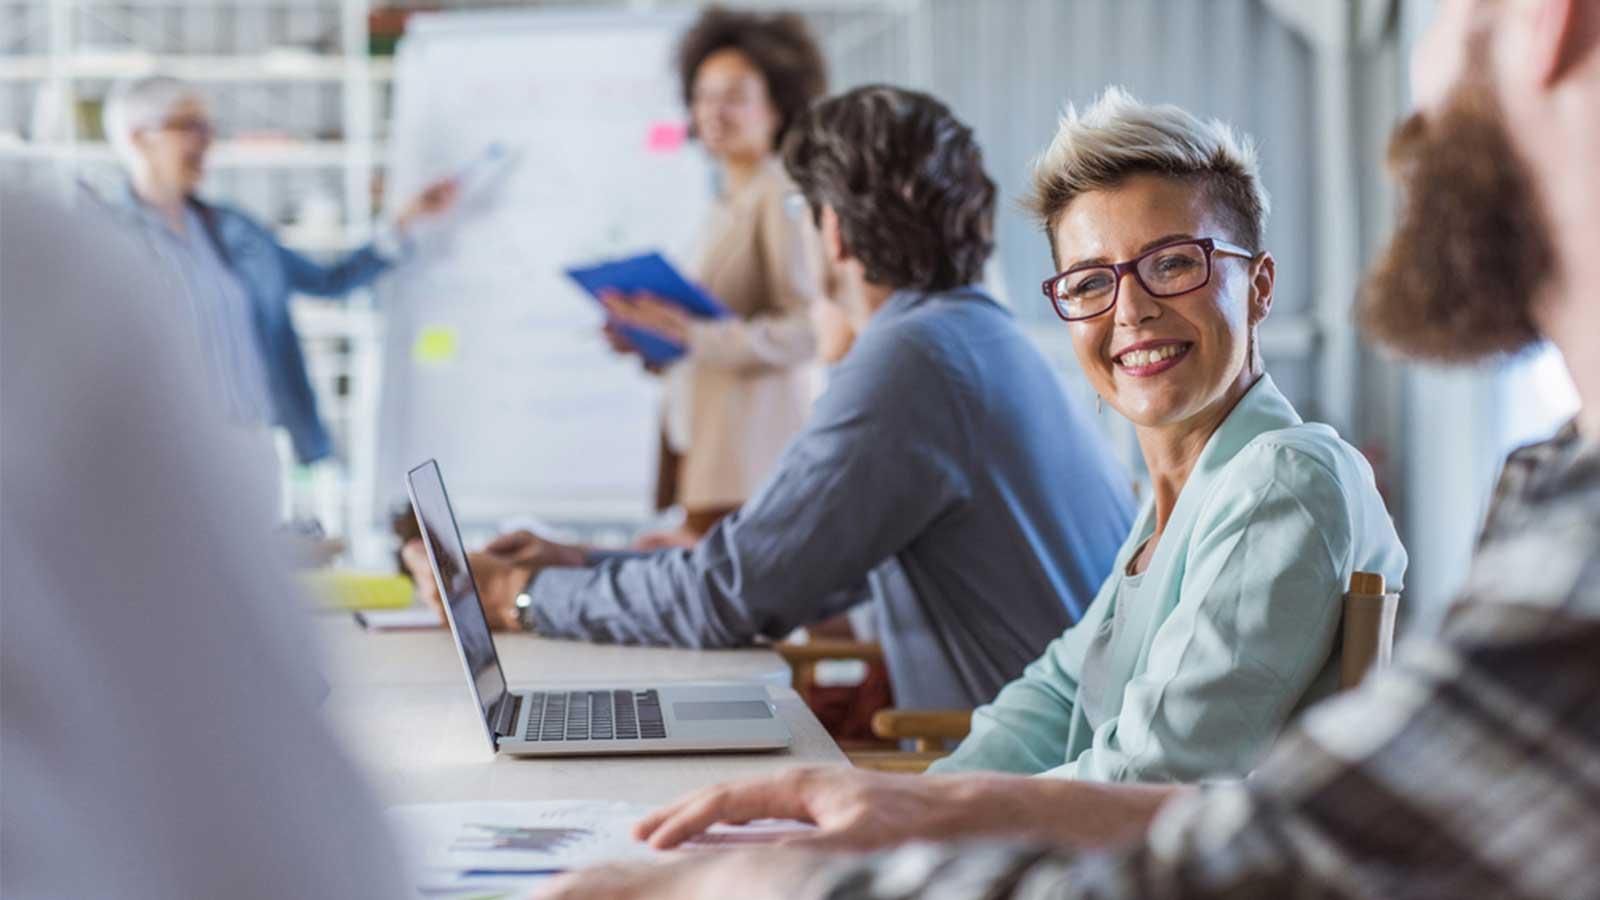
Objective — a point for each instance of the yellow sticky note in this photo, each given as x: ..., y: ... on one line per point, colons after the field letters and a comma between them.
x: 344, y: 589
x: 435, y: 345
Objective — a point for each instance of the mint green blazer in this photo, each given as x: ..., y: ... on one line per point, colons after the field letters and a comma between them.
x: 1236, y: 621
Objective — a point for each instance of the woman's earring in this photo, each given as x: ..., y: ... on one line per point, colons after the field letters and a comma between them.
x: 1099, y: 404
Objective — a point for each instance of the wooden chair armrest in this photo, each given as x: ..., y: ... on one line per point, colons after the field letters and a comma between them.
x: 893, y: 761
x: 818, y: 651
x: 930, y: 728
x: 803, y: 658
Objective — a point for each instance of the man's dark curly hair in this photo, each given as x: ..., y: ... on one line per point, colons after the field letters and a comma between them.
x: 906, y: 179
x: 779, y: 45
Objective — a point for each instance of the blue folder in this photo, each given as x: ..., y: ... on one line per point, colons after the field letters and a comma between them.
x: 652, y: 273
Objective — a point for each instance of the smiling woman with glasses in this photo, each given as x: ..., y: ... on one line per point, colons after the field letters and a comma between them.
x: 1219, y: 617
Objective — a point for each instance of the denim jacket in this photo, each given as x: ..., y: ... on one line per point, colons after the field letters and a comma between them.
x: 271, y: 273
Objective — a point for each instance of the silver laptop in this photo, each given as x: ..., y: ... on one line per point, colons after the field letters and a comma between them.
x: 559, y: 720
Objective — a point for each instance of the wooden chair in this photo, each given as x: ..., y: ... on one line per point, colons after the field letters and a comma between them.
x: 927, y: 729
x: 1366, y: 644
x: 803, y: 658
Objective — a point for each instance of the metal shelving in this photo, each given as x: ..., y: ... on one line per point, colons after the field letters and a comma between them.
x: 264, y: 67
x: 245, y: 154
x: 87, y: 44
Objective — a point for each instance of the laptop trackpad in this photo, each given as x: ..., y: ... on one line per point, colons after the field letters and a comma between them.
x: 720, y: 710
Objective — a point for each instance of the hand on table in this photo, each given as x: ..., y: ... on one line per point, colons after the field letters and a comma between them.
x: 759, y: 875
x: 501, y: 571
x: 649, y: 312
x: 852, y: 809
x: 855, y: 809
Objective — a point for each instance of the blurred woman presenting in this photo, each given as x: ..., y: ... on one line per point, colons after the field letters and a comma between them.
x: 744, y: 385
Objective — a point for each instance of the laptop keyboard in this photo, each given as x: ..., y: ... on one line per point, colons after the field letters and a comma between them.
x: 595, y: 716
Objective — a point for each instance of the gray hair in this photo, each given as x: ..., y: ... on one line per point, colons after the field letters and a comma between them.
x: 1118, y: 137
x: 136, y: 103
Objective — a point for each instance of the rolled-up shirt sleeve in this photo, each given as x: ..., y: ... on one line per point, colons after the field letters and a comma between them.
x: 881, y: 458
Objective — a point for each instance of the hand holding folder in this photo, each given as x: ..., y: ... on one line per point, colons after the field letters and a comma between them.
x: 648, y: 274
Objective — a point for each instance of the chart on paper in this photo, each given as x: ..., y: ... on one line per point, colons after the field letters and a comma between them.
x: 528, y: 836
x: 540, y: 836
x: 464, y: 848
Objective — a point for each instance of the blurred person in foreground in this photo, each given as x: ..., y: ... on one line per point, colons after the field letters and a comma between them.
x: 235, y: 277
x: 157, y: 719
x: 1466, y: 769
x: 944, y: 466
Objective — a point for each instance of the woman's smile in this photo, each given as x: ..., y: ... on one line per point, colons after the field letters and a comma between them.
x: 1148, y: 358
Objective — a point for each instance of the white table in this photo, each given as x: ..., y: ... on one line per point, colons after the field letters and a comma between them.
x: 401, y: 701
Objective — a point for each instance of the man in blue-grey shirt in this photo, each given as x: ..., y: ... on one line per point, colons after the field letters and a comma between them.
x: 944, y: 468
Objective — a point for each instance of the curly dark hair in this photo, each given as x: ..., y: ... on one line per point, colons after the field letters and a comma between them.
x: 906, y: 179
x: 779, y: 44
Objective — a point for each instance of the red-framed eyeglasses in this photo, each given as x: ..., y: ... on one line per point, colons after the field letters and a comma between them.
x: 1083, y: 292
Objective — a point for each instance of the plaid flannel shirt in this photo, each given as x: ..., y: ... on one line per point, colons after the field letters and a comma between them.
x: 1470, y: 768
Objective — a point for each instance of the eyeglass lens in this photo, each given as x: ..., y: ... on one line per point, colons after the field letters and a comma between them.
x: 1164, y: 272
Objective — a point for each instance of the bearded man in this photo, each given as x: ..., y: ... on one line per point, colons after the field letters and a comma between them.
x: 1470, y: 767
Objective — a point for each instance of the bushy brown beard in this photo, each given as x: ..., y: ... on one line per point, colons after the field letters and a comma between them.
x: 1459, y: 279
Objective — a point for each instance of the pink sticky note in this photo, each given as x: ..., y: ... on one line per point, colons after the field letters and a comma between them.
x: 666, y: 137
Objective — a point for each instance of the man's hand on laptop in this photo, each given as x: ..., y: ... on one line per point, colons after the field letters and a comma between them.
x: 502, y: 571
x: 524, y: 546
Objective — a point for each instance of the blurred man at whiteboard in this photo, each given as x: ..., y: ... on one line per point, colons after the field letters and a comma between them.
x: 944, y: 468
x: 745, y: 385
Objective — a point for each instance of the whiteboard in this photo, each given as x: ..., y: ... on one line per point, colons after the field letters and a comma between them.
x: 494, y: 361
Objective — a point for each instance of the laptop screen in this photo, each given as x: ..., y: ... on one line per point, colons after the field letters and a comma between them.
x: 456, y: 586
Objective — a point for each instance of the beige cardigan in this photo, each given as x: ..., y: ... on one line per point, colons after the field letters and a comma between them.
x: 747, y: 381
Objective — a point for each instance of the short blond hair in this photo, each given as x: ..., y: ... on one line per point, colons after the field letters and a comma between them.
x: 1118, y: 137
